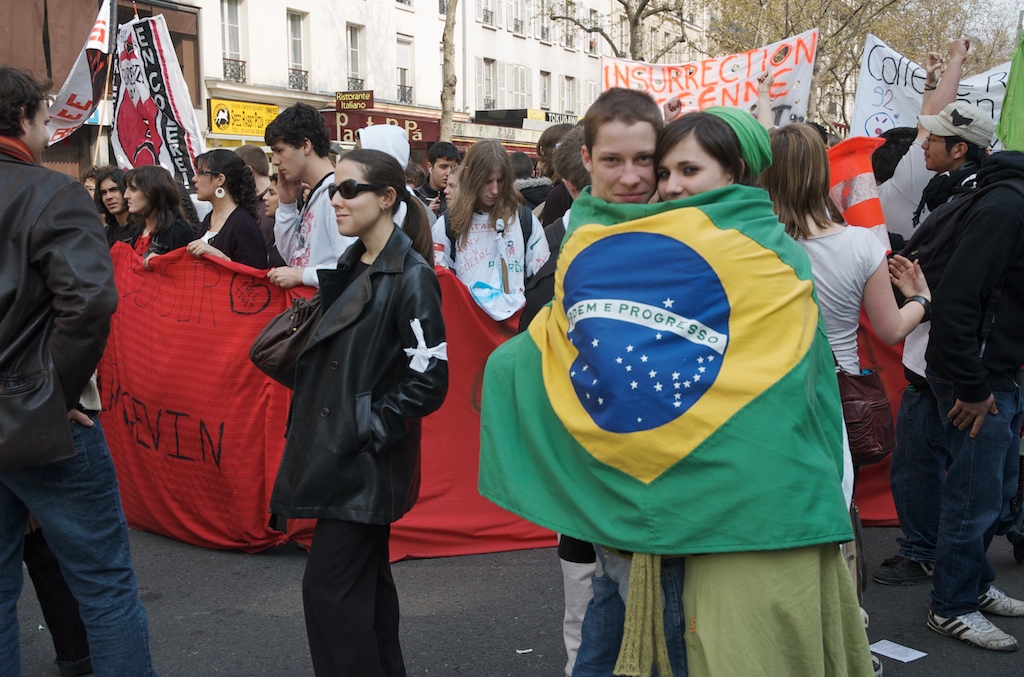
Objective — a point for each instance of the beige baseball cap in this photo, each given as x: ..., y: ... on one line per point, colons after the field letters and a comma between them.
x: 970, y: 123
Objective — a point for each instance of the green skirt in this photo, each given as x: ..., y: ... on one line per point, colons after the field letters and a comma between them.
x: 785, y: 612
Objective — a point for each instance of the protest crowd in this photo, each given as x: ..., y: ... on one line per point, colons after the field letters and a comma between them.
x: 687, y: 288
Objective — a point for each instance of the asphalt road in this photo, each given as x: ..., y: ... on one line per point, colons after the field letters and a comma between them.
x: 237, y: 615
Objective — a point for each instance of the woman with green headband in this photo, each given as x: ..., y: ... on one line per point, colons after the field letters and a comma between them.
x: 791, y: 611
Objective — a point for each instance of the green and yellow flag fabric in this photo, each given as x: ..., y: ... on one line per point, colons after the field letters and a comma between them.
x: 1010, y: 129
x: 678, y: 396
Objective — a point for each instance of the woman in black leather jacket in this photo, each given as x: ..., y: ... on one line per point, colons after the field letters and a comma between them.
x: 154, y: 200
x: 375, y: 364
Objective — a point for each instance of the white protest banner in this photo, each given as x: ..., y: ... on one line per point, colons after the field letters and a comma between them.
x: 83, y: 88
x: 154, y: 121
x: 890, y: 88
x: 726, y: 81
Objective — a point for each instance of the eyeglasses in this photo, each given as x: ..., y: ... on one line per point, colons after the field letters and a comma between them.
x: 349, y: 188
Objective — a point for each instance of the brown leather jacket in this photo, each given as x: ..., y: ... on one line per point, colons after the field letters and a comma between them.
x: 56, y: 298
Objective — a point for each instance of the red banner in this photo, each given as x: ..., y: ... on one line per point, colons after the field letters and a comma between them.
x: 854, y: 191
x: 197, y: 432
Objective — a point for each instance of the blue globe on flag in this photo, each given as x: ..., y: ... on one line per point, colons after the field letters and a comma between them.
x: 648, y: 347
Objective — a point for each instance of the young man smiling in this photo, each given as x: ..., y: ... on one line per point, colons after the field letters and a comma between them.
x: 620, y: 132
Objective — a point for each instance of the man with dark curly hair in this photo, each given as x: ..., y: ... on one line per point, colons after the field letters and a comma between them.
x: 307, y: 235
x: 56, y: 298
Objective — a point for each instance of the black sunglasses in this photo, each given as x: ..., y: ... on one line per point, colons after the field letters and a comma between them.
x: 349, y: 188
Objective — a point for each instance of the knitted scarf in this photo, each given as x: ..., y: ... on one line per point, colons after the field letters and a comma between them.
x: 16, y: 148
x: 944, y: 186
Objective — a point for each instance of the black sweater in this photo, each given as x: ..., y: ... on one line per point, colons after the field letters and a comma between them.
x: 989, y: 256
x: 239, y: 238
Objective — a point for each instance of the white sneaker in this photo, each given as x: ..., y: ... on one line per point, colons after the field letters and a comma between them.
x: 974, y: 629
x: 995, y: 601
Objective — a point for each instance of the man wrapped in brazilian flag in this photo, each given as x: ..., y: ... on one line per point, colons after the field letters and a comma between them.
x: 678, y: 398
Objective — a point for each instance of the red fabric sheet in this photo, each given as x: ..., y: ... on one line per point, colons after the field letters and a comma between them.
x: 874, y: 500
x: 197, y: 432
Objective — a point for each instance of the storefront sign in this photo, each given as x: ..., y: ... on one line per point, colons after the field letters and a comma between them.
x: 344, y: 125
x: 244, y: 118
x: 561, y: 118
x: 470, y: 130
x: 361, y: 100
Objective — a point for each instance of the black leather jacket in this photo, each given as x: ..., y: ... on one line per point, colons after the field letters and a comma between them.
x: 56, y: 298
x: 353, y: 449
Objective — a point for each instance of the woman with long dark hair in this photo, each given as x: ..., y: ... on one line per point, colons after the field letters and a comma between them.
x: 231, y: 230
x: 373, y: 367
x: 155, y: 199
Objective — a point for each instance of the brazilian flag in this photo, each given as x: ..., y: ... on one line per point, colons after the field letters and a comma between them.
x: 678, y: 396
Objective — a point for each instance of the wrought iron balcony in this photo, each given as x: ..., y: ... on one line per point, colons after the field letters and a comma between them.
x: 488, y: 17
x: 404, y: 2
x: 234, y: 70
x: 570, y: 41
x: 517, y: 26
x: 298, y: 79
x: 355, y: 84
x: 442, y: 6
x: 405, y: 93
x: 488, y: 103
x: 545, y: 33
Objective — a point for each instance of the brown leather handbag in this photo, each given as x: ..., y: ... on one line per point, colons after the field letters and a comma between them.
x: 276, y: 349
x: 869, y: 423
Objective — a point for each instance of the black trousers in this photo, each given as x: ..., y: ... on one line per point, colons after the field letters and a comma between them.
x: 59, y: 606
x: 350, y: 602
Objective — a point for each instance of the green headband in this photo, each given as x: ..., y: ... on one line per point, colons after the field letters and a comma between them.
x: 755, y: 144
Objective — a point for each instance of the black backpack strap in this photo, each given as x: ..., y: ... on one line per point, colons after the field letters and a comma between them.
x: 526, y: 224
x: 451, y: 236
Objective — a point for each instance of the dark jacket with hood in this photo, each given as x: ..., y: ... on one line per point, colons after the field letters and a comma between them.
x: 56, y: 298
x: 982, y: 288
x: 534, y: 190
x: 353, y: 449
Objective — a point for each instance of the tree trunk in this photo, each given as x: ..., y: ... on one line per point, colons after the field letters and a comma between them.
x: 448, y: 79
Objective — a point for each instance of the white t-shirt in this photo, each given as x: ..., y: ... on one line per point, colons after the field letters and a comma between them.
x: 841, y: 264
x: 478, y: 262
x: 901, y: 194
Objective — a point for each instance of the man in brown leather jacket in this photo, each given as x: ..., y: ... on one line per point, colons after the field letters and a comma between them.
x: 56, y: 298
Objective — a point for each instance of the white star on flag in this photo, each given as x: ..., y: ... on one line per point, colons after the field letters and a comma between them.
x: 618, y: 360
x: 594, y: 342
x: 643, y: 358
x: 667, y: 303
x: 686, y: 383
x: 633, y: 385
x: 629, y: 367
x: 702, y: 369
x: 675, y: 376
x: 653, y: 373
x: 657, y: 387
x: 629, y: 349
x: 700, y: 360
x: 696, y: 377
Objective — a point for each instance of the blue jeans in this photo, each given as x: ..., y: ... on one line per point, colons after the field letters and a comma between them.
x: 980, y: 483
x: 918, y: 474
x: 606, y: 616
x: 77, y: 503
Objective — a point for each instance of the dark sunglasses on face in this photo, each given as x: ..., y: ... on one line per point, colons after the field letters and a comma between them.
x: 349, y: 188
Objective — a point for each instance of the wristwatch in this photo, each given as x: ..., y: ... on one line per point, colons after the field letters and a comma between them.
x: 924, y: 302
